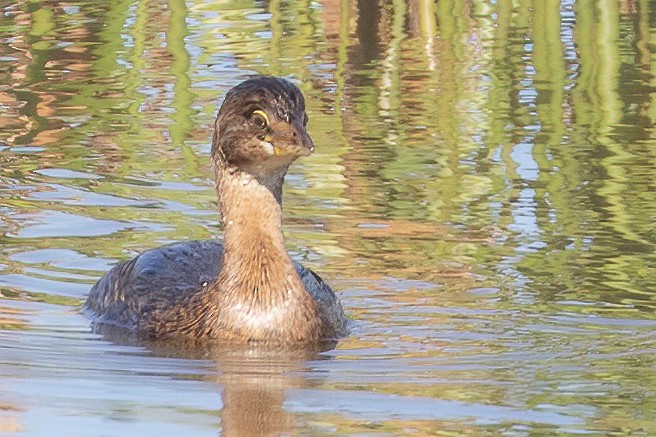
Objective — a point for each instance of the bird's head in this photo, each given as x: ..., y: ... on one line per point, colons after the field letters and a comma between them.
x: 261, y: 127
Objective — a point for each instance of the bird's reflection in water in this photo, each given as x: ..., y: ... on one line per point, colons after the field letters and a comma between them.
x: 254, y: 380
x: 255, y: 383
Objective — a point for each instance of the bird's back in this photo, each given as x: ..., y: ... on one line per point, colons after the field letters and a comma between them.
x: 178, y: 275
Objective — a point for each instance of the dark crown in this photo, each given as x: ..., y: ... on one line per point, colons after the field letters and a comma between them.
x: 278, y: 96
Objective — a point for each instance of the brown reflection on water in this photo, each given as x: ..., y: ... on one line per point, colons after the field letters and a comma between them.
x: 254, y: 385
x: 255, y: 381
x: 483, y: 187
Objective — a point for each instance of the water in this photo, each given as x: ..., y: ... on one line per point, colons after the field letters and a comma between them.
x: 482, y: 196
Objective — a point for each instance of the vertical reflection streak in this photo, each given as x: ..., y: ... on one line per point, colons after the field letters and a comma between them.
x: 182, y: 95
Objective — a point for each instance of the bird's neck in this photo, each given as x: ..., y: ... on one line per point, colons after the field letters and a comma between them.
x: 258, y: 292
x: 256, y: 265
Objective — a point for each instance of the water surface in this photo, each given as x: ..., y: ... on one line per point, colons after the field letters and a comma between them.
x: 483, y: 197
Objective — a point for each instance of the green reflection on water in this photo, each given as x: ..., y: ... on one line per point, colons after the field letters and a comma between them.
x: 498, y: 146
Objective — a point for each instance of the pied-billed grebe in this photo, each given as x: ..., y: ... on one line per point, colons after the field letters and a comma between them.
x: 246, y: 289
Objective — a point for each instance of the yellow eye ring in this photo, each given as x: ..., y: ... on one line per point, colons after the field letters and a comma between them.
x: 263, y: 115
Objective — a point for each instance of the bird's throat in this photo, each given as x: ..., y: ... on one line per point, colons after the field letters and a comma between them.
x: 256, y: 264
x: 258, y: 291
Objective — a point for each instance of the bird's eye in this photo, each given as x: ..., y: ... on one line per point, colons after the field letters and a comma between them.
x: 305, y: 119
x: 260, y: 119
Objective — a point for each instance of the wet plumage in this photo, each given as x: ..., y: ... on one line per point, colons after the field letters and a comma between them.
x: 246, y: 288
